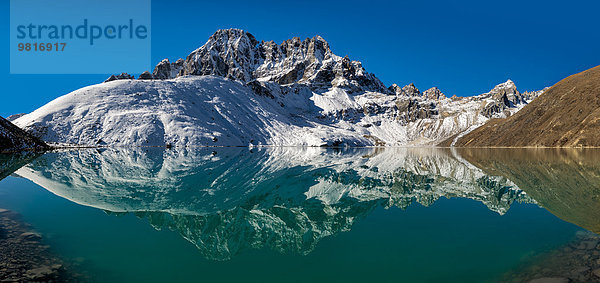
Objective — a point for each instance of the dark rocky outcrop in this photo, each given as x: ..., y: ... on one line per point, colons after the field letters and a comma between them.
x: 122, y: 76
x: 505, y: 96
x: 145, y: 76
x: 15, y: 117
x: 166, y: 70
x: 410, y: 90
x: 434, y: 93
x: 14, y: 139
x: 410, y: 110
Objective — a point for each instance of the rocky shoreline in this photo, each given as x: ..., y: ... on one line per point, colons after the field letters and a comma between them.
x: 23, y: 256
x: 577, y: 261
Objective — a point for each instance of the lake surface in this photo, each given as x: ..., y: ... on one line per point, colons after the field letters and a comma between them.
x: 304, y: 214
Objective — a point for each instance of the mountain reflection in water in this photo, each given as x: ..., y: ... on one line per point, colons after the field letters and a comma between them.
x: 285, y: 199
x: 226, y: 200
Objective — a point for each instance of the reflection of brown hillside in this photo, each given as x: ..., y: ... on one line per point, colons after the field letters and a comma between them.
x: 564, y: 181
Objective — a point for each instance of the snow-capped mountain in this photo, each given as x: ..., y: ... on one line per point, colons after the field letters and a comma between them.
x: 237, y: 91
x: 237, y: 55
x: 231, y: 199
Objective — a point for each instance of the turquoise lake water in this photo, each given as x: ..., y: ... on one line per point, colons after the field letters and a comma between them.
x: 300, y: 215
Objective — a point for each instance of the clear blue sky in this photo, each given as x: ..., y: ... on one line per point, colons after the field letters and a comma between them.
x: 462, y: 47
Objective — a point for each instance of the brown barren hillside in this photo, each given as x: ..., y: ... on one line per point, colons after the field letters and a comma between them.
x: 566, y: 115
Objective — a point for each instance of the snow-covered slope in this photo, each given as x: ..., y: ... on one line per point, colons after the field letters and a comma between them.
x: 235, y: 91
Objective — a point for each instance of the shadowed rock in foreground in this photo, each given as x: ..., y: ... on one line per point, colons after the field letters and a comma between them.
x: 14, y: 139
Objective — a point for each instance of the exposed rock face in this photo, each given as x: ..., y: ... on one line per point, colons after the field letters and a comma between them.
x: 411, y: 109
x: 395, y: 89
x: 230, y: 53
x: 413, y: 105
x: 14, y: 139
x: 410, y: 90
x: 565, y: 115
x: 165, y: 70
x: 434, y: 93
x: 530, y: 95
x: 505, y: 99
x: 145, y: 76
x: 504, y: 96
x: 122, y: 76
x: 237, y: 55
x: 15, y: 117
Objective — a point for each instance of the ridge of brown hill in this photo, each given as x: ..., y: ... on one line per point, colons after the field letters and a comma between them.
x: 566, y: 115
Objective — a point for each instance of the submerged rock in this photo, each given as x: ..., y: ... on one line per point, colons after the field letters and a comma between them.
x: 23, y: 258
x: 550, y: 280
x: 570, y: 263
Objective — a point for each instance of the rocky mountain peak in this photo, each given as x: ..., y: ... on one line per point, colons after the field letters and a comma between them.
x: 395, y: 89
x: 410, y: 90
x: 230, y: 53
x: 232, y: 34
x: 505, y: 95
x: 508, y: 88
x: 122, y: 76
x: 166, y: 70
x: 506, y: 91
x: 237, y: 55
x: 434, y: 93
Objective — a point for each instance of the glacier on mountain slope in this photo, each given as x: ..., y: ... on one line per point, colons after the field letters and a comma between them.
x: 235, y: 91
